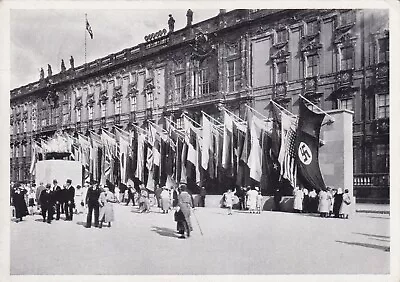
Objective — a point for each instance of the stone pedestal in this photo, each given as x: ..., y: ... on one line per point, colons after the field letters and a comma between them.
x: 336, y: 155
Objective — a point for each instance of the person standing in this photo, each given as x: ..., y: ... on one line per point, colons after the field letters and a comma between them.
x: 185, y: 203
x: 277, y: 198
x: 306, y: 200
x: 324, y: 203
x: 202, y: 201
x: 298, y: 200
x: 106, y: 199
x: 171, y: 23
x: 79, y: 205
x: 252, y: 200
x: 31, y: 200
x: 165, y: 200
x: 174, y: 197
x: 259, y: 202
x: 69, y: 200
x: 131, y: 195
x: 157, y: 193
x: 39, y: 190
x: 313, y: 201
x: 331, y: 197
x: 337, y: 202
x: 92, y: 201
x: 47, y: 202
x: 116, y: 194
x: 240, y: 193
x: 58, y: 197
x: 18, y: 198
x: 228, y: 199
x: 345, y: 207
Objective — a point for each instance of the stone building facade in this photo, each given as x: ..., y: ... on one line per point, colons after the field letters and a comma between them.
x: 336, y: 58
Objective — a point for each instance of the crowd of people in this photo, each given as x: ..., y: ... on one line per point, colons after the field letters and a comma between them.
x: 52, y: 200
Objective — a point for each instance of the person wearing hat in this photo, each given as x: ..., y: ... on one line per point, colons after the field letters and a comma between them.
x: 165, y: 200
x: 337, y: 202
x: 58, y: 197
x: 18, y: 198
x: 92, y: 201
x: 106, y: 199
x: 69, y: 200
x: 185, y: 203
x: 47, y: 202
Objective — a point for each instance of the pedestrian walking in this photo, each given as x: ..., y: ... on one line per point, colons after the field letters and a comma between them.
x: 313, y: 201
x: 241, y: 194
x: 18, y: 198
x: 144, y: 202
x: 228, y: 200
x: 306, y: 200
x: 31, y: 200
x: 185, y: 203
x: 116, y: 194
x: 39, y: 190
x: 165, y: 200
x: 131, y: 195
x: 47, y: 202
x: 277, y: 197
x: 202, y: 200
x: 58, y: 197
x: 69, y: 196
x: 106, y: 200
x: 92, y: 201
x: 331, y: 196
x: 157, y: 193
x: 345, y: 207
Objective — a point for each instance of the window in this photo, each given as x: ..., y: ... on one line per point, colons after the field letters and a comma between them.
x: 25, y: 108
x: 383, y: 106
x: 312, y: 65
x: 382, y: 158
x: 103, y: 85
x: 103, y: 109
x: 11, y: 129
x: 24, y: 150
x: 117, y: 107
x: 234, y: 75
x: 179, y: 123
x: 91, y: 89
x: 180, y: 83
x: 150, y: 99
x: 17, y: 151
x: 347, y: 58
x: 65, y: 114
x: 383, y: 55
x: 17, y: 127
x: 312, y: 27
x: 346, y: 104
x: 78, y: 115
x: 281, y: 36
x: 118, y: 81
x: 204, y: 83
x: 133, y: 104
x: 281, y: 72
x: 347, y: 18
x: 24, y: 127
x: 90, y: 113
x: 34, y: 124
x: 44, y: 121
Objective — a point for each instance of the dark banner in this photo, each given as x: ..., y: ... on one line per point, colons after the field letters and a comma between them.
x: 307, y: 147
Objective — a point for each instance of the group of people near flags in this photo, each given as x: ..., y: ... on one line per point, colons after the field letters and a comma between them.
x: 328, y: 203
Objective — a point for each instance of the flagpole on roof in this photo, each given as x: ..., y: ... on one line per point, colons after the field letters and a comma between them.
x: 85, y: 35
x: 304, y: 98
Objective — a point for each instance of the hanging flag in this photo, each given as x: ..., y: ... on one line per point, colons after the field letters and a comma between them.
x: 307, y: 147
x: 227, y: 145
x: 89, y: 29
x: 255, y: 157
x: 123, y: 157
x: 287, y: 156
x: 207, y: 139
x: 140, y: 157
x: 34, y: 152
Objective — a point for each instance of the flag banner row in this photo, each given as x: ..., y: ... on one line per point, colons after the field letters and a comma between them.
x: 255, y: 151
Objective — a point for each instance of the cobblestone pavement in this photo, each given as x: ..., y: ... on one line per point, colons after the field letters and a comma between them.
x: 242, y: 243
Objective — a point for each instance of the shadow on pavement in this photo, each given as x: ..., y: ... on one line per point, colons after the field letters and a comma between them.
x: 377, y: 217
x: 163, y: 231
x: 366, y: 245
x: 83, y: 223
x: 372, y: 235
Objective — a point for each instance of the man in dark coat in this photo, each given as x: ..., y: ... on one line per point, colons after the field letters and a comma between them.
x: 157, y: 192
x: 58, y: 198
x: 39, y: 192
x: 131, y: 195
x: 18, y: 198
x: 240, y: 193
x: 92, y: 201
x: 47, y: 202
x: 278, y: 197
x: 69, y: 200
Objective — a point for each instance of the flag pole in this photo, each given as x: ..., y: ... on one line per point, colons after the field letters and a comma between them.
x: 85, y: 35
x: 282, y: 108
x: 264, y: 117
x: 232, y: 114
x: 192, y: 120
x: 304, y: 98
x: 215, y: 120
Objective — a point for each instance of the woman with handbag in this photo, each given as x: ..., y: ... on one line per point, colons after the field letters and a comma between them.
x: 106, y: 208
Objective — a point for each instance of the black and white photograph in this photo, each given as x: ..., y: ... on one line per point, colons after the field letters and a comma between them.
x: 193, y: 140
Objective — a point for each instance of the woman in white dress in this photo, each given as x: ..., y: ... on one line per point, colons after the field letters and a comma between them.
x: 252, y: 200
x: 79, y: 200
x: 298, y: 200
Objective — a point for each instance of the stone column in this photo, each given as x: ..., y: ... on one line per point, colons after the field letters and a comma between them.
x: 336, y: 156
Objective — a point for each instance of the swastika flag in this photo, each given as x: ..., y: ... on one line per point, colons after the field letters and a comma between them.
x: 307, y: 147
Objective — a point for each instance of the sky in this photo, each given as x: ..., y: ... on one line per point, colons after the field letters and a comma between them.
x: 41, y: 37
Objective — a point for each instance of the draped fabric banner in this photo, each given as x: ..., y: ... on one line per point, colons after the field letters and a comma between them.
x: 307, y: 148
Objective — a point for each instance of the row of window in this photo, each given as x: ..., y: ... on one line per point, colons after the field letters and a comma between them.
x: 382, y: 105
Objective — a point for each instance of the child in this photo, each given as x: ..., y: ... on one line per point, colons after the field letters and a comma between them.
x: 259, y: 202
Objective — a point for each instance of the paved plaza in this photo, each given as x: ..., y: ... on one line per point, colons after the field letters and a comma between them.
x: 147, y: 244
